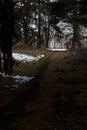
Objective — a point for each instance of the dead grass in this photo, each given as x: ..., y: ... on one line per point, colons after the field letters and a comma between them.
x: 23, y: 48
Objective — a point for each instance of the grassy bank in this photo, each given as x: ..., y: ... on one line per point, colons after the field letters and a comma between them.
x: 29, y: 68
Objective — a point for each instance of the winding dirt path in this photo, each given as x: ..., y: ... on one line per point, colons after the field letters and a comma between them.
x: 57, y: 100
x: 55, y: 106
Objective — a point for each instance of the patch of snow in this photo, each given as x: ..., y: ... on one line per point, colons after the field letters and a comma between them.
x: 21, y: 79
x: 54, y: 49
x: 26, y: 58
x: 18, y: 79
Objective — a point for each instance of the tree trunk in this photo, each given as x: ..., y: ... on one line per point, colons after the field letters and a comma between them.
x: 39, y: 26
x: 76, y: 44
x: 48, y: 29
x: 76, y: 36
x: 7, y: 31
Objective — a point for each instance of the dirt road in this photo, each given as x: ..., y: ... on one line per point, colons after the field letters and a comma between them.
x: 56, y: 100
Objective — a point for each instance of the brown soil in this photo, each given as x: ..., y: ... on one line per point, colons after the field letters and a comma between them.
x: 56, y: 99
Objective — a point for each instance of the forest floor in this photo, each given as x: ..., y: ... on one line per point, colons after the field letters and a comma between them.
x: 56, y: 99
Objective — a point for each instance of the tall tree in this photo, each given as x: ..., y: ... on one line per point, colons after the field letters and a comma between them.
x: 6, y: 32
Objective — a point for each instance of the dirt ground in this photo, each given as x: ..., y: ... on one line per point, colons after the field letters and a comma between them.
x: 56, y: 99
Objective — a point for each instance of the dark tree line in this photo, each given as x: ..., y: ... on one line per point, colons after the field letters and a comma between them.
x: 33, y: 22
x: 37, y: 19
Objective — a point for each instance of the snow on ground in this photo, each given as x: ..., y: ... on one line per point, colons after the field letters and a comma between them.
x: 26, y: 58
x: 22, y: 79
x: 54, y: 49
x: 18, y: 79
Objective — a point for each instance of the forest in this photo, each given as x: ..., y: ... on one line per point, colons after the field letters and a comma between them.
x: 43, y: 64
x: 37, y: 21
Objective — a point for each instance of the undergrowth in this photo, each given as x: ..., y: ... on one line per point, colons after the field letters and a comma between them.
x: 29, y: 68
